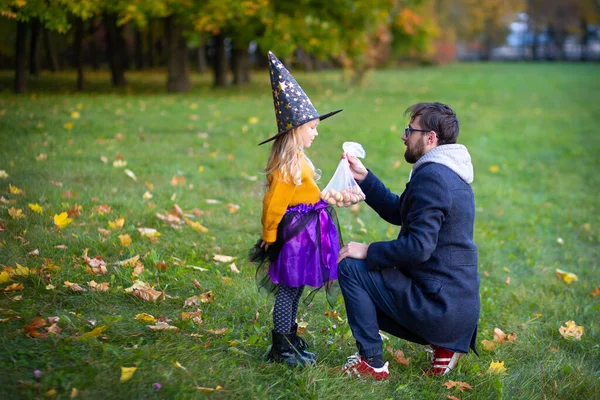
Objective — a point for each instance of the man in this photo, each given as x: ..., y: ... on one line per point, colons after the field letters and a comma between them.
x: 424, y: 285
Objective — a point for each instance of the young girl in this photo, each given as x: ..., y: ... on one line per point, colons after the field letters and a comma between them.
x: 299, y: 242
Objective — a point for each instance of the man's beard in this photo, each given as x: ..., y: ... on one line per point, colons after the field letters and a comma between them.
x: 412, y: 155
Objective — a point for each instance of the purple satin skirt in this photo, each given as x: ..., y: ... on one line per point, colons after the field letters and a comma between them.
x: 305, y: 252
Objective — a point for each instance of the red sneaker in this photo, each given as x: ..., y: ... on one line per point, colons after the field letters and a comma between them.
x: 357, y: 365
x: 443, y: 361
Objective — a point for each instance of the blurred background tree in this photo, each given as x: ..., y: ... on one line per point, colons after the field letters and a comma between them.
x: 231, y: 37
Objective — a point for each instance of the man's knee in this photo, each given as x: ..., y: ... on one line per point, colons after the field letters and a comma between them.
x: 350, y: 269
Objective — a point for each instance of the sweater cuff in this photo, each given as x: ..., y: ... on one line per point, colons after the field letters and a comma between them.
x: 269, y: 236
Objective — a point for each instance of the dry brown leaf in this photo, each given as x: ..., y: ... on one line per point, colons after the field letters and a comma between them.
x: 163, y: 326
x: 14, y: 287
x: 221, y: 331
x: 129, y: 262
x: 163, y: 266
x: 206, y: 389
x: 74, y: 211
x: 596, y: 292
x: 232, y: 207
x: 74, y: 287
x: 177, y: 180
x: 222, y: 258
x: 192, y: 301
x: 450, y: 397
x: 98, y: 287
x: 96, y: 265
x: 461, y: 385
x: 54, y: 329
x: 488, y: 345
x: 207, y: 297
x: 138, y: 269
x: 144, y: 291
x: 197, y: 284
x: 255, y: 319
x: 102, y: 209
x: 233, y: 268
x: 32, y: 328
x: 177, y: 211
x: 170, y: 219
x: 194, y: 315
x: 398, y: 356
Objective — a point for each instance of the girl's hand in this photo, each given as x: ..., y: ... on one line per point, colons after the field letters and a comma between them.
x: 265, y: 245
x: 354, y: 250
x: 358, y: 170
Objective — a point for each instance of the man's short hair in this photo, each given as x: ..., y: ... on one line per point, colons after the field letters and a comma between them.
x: 437, y: 117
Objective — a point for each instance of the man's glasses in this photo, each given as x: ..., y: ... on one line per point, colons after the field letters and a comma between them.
x: 408, y: 130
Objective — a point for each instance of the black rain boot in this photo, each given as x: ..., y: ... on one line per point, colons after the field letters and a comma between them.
x: 302, y: 346
x: 283, y: 350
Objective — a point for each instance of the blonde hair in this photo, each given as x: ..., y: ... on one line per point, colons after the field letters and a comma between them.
x: 286, y: 156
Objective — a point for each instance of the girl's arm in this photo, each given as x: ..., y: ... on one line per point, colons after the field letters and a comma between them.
x: 276, y: 201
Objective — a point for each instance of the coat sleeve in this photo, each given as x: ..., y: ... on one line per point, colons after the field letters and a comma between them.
x: 275, y: 202
x: 429, y: 204
x: 381, y: 199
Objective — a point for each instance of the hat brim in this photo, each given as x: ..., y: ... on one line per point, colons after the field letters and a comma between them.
x: 320, y: 117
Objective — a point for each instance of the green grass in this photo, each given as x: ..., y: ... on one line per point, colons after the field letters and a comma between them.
x: 538, y: 123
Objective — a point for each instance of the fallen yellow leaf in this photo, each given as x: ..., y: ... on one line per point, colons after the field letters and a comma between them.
x: 93, y: 333
x: 145, y: 318
x: 4, y: 277
x: 125, y: 240
x: 567, y: 277
x: 14, y: 287
x: 61, y: 220
x: 494, y: 169
x: 497, y: 368
x: 36, y: 208
x: 127, y: 373
x: 16, y: 213
x: 117, y: 223
x: 571, y: 331
x: 14, y: 189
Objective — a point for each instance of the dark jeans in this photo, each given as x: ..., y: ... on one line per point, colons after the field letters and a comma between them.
x: 370, y: 307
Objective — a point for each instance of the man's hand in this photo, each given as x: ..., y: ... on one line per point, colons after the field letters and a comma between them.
x: 359, y: 172
x: 354, y: 250
x: 265, y: 245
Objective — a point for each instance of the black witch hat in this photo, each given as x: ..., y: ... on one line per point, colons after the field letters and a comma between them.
x: 292, y: 106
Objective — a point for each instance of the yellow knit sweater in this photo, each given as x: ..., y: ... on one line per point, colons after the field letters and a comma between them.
x: 282, y: 195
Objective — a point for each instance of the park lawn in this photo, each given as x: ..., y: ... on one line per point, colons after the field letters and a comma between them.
x: 533, y: 136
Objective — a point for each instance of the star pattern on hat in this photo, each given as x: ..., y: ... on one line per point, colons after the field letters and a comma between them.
x: 292, y: 106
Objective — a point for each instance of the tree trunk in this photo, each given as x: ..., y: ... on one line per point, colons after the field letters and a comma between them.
x: 150, y: 41
x: 202, y: 63
x: 114, y: 49
x: 583, y: 55
x: 78, y: 47
x: 34, y: 50
x: 21, y: 58
x: 488, y: 41
x: 139, y: 50
x: 177, y: 62
x: 220, y: 62
x: 94, y: 47
x: 50, y: 53
x: 240, y: 65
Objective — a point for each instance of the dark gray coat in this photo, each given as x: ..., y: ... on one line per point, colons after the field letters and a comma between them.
x: 431, y: 268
